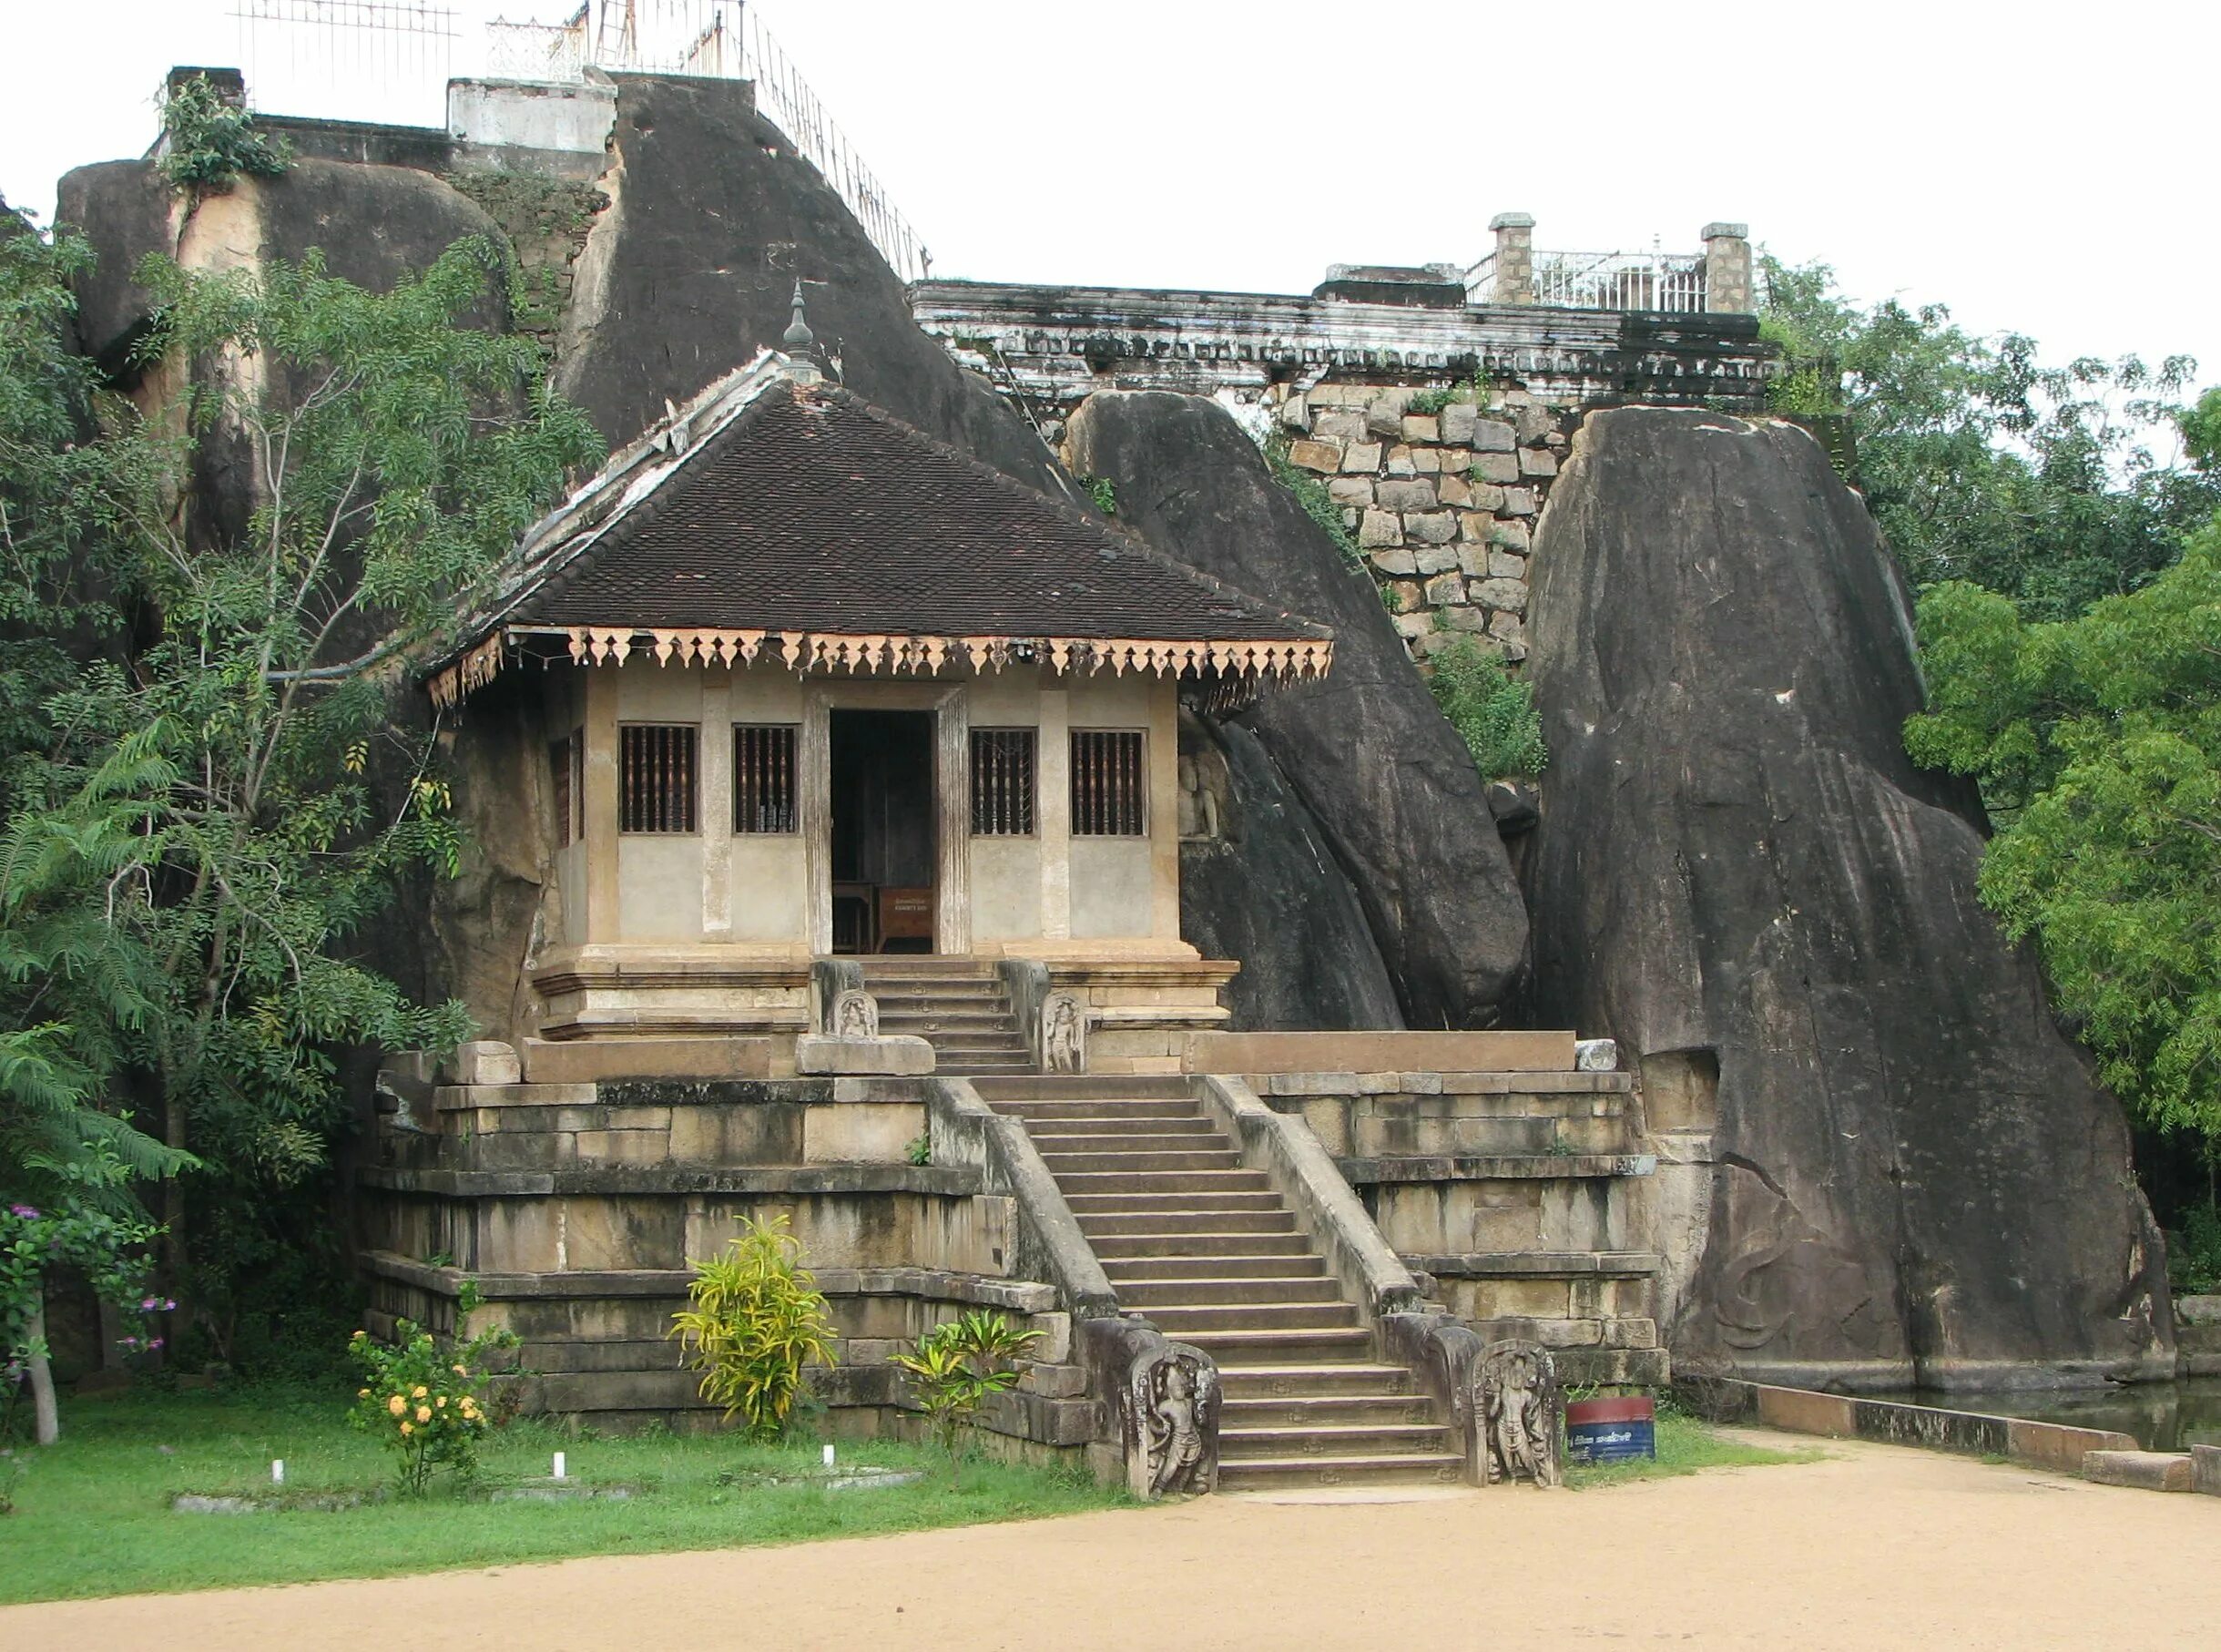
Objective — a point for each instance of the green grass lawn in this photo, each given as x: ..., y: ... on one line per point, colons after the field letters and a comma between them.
x: 1685, y: 1446
x: 92, y: 1515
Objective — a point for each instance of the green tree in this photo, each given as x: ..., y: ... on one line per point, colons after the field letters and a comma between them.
x: 2099, y: 741
x: 2053, y: 485
x: 209, y: 815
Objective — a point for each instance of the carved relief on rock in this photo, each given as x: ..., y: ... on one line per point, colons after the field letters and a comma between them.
x: 1517, y: 1412
x: 1063, y: 1034
x: 1171, y: 1404
x: 855, y: 1014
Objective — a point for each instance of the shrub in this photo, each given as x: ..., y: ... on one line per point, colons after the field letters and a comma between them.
x: 2194, y: 1260
x: 1104, y: 491
x: 1318, y: 505
x: 956, y: 1365
x: 757, y: 1318
x: 211, y: 142
x: 1491, y: 709
x: 426, y: 1402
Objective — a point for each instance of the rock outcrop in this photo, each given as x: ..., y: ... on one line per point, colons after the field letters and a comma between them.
x: 690, y: 270
x: 1896, y: 1167
x: 1258, y: 882
x: 1392, y: 787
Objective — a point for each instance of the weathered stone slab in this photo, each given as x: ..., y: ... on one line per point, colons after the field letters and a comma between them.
x: 1361, y: 458
x: 1375, y: 1052
x: 2205, y: 1470
x: 1537, y: 461
x: 1490, y: 437
x: 1431, y: 527
x: 1495, y: 467
x: 1508, y: 595
x: 484, y: 1061
x: 1325, y: 457
x: 1433, y: 559
x: 896, y: 1056
x: 1378, y: 528
x: 1455, y: 423
x: 1394, y: 559
x: 599, y: 1060
x: 1410, y: 494
x: 1351, y: 490
x: 2142, y: 1471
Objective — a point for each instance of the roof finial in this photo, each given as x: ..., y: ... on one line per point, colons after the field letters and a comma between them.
x: 797, y: 335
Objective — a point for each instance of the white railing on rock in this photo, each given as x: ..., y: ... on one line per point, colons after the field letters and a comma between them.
x: 721, y: 39
x: 1602, y: 280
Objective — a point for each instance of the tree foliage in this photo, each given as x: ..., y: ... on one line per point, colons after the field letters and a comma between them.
x: 2055, y: 486
x: 213, y: 776
x: 208, y: 143
x: 2099, y: 741
x: 1491, y: 711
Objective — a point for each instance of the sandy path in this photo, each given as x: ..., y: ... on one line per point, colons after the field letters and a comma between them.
x: 1875, y: 1547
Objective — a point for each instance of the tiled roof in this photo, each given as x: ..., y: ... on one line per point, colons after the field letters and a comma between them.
x: 814, y: 511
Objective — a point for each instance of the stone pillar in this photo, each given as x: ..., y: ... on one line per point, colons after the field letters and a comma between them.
x: 598, y: 817
x: 952, y: 783
x: 1727, y: 284
x: 1053, y: 809
x: 715, y: 803
x: 1514, y: 257
x: 814, y: 770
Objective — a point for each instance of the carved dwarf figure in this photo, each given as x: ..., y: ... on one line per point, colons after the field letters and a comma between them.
x: 855, y: 1015
x: 1173, y: 1398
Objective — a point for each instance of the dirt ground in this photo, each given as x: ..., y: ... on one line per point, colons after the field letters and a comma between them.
x: 1877, y: 1546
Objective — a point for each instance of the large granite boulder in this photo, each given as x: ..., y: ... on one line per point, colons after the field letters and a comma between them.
x: 1893, y: 1165
x: 1258, y: 882
x: 692, y: 269
x: 1390, y: 786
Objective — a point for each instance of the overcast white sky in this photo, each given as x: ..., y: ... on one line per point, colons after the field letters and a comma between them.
x: 2042, y: 166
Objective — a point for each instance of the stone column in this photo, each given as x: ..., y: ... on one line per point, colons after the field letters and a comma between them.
x: 715, y: 804
x: 1053, y: 809
x: 1727, y: 284
x: 1164, y: 760
x: 598, y: 815
x: 952, y: 783
x: 814, y: 769
x: 1514, y: 257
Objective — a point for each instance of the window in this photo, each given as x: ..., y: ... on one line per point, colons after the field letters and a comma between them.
x: 763, y: 776
x: 567, y: 762
x: 1002, y: 783
x: 1108, y: 783
x: 656, y: 777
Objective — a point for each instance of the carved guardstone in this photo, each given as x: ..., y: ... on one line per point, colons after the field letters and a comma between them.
x: 855, y: 1015
x: 1169, y: 1411
x: 1063, y: 1034
x: 1516, y: 1427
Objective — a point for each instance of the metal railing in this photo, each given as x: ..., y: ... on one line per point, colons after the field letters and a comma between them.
x: 1601, y: 280
x: 721, y: 39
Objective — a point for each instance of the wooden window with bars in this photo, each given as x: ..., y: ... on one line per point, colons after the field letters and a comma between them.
x: 566, y: 763
x: 1002, y: 783
x: 763, y: 776
x: 1110, y: 783
x: 656, y: 777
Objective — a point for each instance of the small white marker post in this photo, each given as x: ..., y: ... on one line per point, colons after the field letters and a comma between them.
x: 277, y: 1471
x: 828, y: 1456
x: 558, y: 1473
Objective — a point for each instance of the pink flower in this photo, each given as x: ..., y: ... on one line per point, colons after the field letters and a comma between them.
x: 25, y: 1211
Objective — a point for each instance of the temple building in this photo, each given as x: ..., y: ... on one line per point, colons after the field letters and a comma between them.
x: 812, y: 683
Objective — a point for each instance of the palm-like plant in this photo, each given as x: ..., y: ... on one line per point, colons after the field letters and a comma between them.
x: 755, y: 1319
x: 957, y: 1364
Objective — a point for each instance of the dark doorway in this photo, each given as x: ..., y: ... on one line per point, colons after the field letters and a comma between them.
x: 882, y: 831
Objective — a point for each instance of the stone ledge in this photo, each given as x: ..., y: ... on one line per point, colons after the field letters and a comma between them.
x: 2205, y: 1470
x: 951, y: 1181
x: 2142, y: 1471
x: 2058, y: 1446
x: 933, y: 1284
x: 1537, y: 1264
x: 1523, y: 1166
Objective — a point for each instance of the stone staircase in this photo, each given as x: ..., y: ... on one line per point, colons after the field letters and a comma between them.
x: 1211, y: 1255
x: 959, y: 1006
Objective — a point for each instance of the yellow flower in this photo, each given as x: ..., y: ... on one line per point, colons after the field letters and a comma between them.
x: 423, y: 1414
x: 441, y: 1402
x: 360, y: 1335
x: 408, y: 1428
x: 361, y: 1393
x: 421, y: 1391
x: 397, y: 1405
x: 459, y: 1370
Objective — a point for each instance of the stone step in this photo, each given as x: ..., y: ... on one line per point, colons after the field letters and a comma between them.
x: 1186, y: 1246
x: 1280, y: 1382
x: 1205, y: 1317
x: 1149, y: 1295
x: 1083, y: 1183
x: 1095, y: 1086
x: 1327, y: 1409
x: 1332, y: 1440
x: 1111, y: 1112
x: 963, y: 1038
x: 1229, y: 1258
x: 1185, y: 1202
x: 919, y: 1024
x: 910, y: 992
x: 1282, y: 1344
x: 1188, y: 1227
x: 1260, y: 1475
x: 883, y: 966
x: 1124, y: 1135
x: 1151, y: 1163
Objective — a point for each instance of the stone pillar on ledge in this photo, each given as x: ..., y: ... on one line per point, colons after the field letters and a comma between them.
x: 1514, y: 263
x: 1727, y: 272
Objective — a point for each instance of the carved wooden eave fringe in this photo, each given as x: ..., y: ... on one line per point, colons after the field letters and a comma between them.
x: 1257, y: 663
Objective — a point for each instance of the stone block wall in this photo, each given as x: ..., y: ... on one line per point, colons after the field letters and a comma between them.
x: 1441, y: 504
